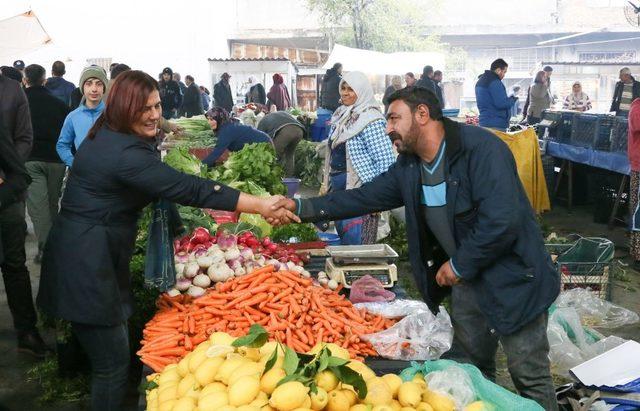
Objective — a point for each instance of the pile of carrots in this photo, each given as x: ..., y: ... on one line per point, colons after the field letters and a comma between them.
x: 294, y: 311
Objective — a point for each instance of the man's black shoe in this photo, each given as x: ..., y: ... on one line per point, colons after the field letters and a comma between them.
x: 32, y: 343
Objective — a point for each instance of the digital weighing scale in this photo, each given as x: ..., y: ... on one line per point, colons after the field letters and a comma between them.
x: 348, y: 263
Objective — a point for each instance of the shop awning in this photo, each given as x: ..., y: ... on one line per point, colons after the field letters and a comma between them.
x: 19, y: 35
x: 373, y: 62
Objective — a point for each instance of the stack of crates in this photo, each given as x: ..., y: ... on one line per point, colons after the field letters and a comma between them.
x: 619, y: 134
x: 592, y: 131
x: 560, y: 129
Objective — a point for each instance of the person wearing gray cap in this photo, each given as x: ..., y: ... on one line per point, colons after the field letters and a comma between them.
x: 627, y: 90
x: 93, y: 84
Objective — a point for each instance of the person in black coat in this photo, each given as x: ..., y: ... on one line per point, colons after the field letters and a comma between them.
x: 222, y: 96
x: 170, y: 94
x: 117, y: 172
x: 48, y: 113
x: 14, y: 178
x: 256, y: 93
x: 192, y: 103
x: 330, y: 93
x: 474, y: 234
x: 627, y: 90
x: 426, y: 80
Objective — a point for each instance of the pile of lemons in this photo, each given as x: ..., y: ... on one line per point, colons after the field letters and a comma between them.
x: 219, y: 377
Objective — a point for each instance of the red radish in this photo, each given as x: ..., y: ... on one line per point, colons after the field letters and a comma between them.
x: 200, y: 235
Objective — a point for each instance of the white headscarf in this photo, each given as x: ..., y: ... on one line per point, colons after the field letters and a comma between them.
x: 252, y: 81
x: 349, y: 121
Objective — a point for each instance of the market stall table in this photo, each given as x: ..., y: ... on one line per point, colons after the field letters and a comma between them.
x: 612, y: 161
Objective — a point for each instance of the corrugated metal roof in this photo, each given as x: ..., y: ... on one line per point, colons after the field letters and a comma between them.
x: 591, y: 63
x: 254, y: 59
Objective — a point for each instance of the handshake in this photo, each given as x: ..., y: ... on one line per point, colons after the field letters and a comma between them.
x: 278, y: 210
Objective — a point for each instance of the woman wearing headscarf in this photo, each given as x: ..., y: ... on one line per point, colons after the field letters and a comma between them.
x: 577, y: 100
x: 396, y: 84
x: 231, y: 135
x: 256, y: 93
x: 278, y: 94
x: 539, y: 98
x: 359, y: 151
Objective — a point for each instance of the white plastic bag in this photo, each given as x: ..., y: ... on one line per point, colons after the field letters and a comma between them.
x: 453, y: 382
x: 394, y: 309
x: 595, y: 312
x: 420, y: 336
x: 569, y: 343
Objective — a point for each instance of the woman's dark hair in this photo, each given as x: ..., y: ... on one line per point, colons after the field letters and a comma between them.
x: 219, y: 114
x: 337, y: 66
x: 126, y: 102
x: 498, y: 64
x: 35, y: 74
x: 415, y: 96
x: 540, y: 77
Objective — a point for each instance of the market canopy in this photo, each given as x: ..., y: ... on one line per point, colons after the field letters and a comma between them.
x: 374, y: 62
x: 21, y: 34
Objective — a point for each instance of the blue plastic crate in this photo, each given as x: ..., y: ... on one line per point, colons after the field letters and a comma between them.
x: 451, y: 112
x: 592, y: 131
x: 619, y: 134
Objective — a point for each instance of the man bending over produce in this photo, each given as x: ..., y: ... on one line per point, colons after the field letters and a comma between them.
x: 470, y: 227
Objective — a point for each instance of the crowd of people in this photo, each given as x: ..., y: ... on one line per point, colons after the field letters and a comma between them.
x: 470, y: 227
x: 497, y: 108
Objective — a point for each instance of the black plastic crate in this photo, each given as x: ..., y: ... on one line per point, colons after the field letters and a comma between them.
x: 619, y: 134
x: 591, y: 130
x: 560, y: 129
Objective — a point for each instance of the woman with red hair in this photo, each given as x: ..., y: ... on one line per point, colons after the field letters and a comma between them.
x: 278, y: 95
x: 85, y: 268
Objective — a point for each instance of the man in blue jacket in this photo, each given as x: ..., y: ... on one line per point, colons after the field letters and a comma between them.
x: 57, y: 85
x: 491, y: 97
x: 469, y: 226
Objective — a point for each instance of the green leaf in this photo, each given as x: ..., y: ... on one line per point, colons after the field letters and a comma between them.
x: 323, y: 362
x: 272, y: 360
x: 336, y: 362
x: 291, y: 361
x: 293, y: 377
x: 255, y: 338
x: 348, y: 376
x: 313, y: 388
x: 146, y: 386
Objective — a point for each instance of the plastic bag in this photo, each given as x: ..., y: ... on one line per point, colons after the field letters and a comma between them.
x: 484, y: 390
x: 453, y: 382
x: 418, y: 336
x: 369, y: 289
x: 595, y: 312
x: 395, y: 308
x: 570, y: 344
x: 589, y: 250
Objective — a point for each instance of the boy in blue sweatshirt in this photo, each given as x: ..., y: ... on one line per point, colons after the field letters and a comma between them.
x: 93, y: 81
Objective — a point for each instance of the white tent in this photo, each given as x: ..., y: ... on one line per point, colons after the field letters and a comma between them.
x: 19, y: 35
x: 373, y: 62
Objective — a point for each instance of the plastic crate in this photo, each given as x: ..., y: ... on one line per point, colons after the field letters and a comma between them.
x: 597, y: 277
x: 619, y: 134
x: 560, y: 131
x: 591, y: 130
